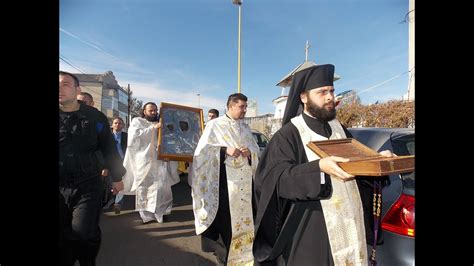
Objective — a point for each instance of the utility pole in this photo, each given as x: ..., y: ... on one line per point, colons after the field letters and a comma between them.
x: 411, y: 50
x: 129, y: 94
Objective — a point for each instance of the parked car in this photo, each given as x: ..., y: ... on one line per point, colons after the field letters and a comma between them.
x: 261, y: 140
x: 398, y: 198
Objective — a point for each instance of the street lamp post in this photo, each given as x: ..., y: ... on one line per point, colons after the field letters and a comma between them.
x: 199, y: 100
x: 239, y: 3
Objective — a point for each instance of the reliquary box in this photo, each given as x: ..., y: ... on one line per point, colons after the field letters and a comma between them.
x: 363, y: 160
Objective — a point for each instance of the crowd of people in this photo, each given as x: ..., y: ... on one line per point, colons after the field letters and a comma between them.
x: 285, y: 206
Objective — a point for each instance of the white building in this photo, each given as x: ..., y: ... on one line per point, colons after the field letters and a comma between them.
x: 280, y: 105
x: 252, y: 108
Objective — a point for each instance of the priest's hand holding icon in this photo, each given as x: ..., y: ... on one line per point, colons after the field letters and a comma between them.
x: 387, y: 153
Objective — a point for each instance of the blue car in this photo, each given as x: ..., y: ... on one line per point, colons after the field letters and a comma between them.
x: 398, y: 197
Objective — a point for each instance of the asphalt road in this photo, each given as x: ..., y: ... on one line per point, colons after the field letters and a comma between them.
x: 126, y: 241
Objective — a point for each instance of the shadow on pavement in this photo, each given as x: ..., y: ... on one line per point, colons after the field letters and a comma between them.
x: 126, y: 241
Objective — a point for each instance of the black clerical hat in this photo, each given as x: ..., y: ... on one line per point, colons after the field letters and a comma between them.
x: 307, y: 79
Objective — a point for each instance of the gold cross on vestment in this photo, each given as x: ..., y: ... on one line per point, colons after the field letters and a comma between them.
x: 247, y: 221
x: 337, y: 203
x: 237, y: 226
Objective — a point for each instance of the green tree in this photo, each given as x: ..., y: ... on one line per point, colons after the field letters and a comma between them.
x: 134, y: 105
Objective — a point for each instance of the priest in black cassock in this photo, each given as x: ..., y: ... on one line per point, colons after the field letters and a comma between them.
x: 309, y: 211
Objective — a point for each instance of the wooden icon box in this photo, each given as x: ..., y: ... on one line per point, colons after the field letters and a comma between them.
x: 363, y: 160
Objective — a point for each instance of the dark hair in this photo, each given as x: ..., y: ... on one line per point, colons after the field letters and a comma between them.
x: 235, y: 98
x: 142, y: 115
x: 214, y: 111
x: 76, y: 80
x: 119, y: 118
x: 88, y: 95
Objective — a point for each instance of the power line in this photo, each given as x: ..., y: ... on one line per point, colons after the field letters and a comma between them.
x: 67, y: 61
x: 407, y: 18
x: 71, y: 64
x: 381, y: 83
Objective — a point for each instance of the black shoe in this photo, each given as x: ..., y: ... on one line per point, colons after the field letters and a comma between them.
x: 220, y: 260
x: 108, y: 204
x: 117, y: 208
x: 207, y: 245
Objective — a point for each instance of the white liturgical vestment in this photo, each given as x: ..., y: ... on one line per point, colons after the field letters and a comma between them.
x: 226, y: 132
x: 149, y: 177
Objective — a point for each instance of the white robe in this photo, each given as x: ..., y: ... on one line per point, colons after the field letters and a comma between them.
x: 226, y: 132
x: 147, y: 176
x: 173, y: 172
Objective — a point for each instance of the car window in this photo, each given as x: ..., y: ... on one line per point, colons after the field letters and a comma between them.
x: 264, y: 140
x: 255, y: 137
x: 405, y: 145
x: 260, y: 139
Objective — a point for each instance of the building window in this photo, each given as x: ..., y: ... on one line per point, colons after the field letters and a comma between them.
x: 123, y: 97
x: 106, y: 102
x: 114, y: 103
x: 123, y: 115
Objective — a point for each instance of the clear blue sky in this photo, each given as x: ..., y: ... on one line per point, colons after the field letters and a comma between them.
x: 172, y: 50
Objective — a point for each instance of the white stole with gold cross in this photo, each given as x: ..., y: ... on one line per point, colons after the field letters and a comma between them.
x: 343, y: 211
x: 226, y: 132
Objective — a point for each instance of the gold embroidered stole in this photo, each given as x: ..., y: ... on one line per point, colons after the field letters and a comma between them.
x: 223, y: 132
x: 343, y: 211
x: 239, y: 184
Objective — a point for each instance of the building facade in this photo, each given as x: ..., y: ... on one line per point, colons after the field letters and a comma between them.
x: 252, y: 108
x: 109, y: 97
x: 347, y: 97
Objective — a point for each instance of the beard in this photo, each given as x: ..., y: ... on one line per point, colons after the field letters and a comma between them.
x: 322, y: 113
x: 151, y: 118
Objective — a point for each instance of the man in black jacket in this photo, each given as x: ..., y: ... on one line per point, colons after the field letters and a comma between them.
x: 84, y: 141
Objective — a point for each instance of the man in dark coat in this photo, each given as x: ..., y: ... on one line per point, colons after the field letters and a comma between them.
x: 309, y: 211
x: 121, y: 145
x: 86, y: 146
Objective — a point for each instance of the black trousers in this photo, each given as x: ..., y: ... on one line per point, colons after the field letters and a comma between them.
x: 80, y: 206
x: 221, y: 226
